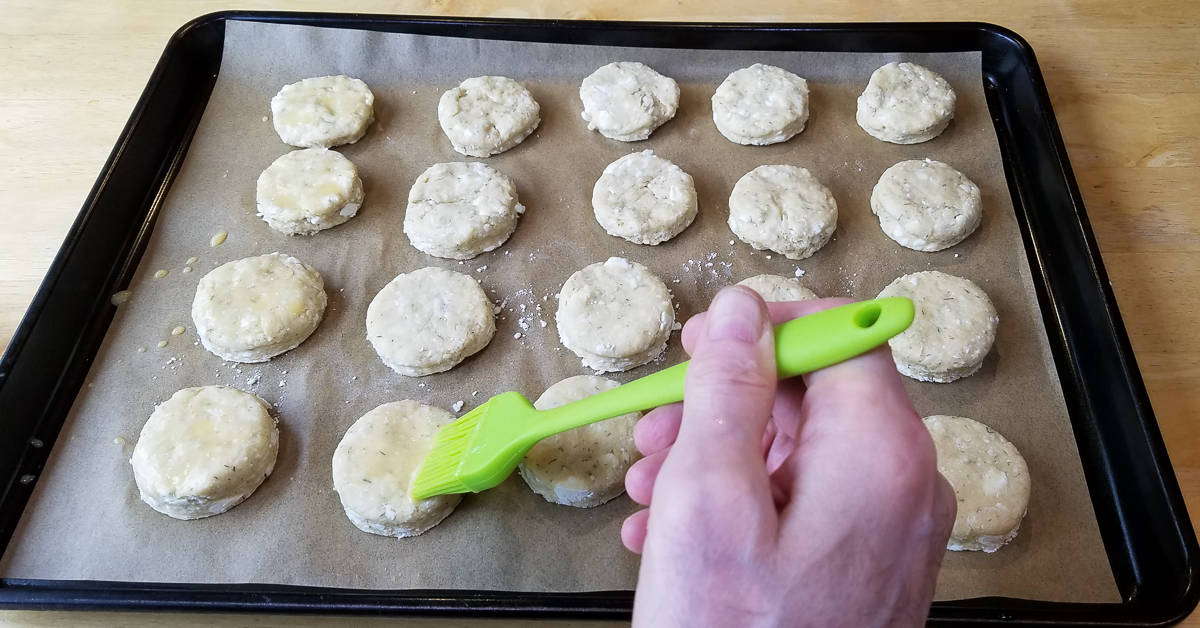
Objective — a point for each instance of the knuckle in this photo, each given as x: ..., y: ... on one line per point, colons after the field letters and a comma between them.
x: 909, y: 469
x: 726, y: 511
x: 738, y: 373
x: 657, y: 430
x: 946, y: 507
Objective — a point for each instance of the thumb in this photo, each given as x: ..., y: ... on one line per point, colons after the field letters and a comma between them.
x: 730, y: 385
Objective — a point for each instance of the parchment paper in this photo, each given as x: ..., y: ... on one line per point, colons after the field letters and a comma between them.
x: 85, y: 520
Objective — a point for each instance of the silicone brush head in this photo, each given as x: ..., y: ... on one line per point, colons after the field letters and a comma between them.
x: 478, y: 450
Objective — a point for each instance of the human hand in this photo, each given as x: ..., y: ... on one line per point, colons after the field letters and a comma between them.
x: 809, y: 501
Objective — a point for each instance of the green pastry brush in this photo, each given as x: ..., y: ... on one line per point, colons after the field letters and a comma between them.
x: 480, y: 449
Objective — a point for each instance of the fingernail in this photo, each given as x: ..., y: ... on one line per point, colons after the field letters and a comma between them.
x: 735, y: 315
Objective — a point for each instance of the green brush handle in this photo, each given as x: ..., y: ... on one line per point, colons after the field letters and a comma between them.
x: 802, y: 345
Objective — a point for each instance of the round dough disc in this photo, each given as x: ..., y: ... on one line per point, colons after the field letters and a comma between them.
x: 777, y: 288
x: 990, y: 480
x: 760, y: 105
x: 458, y: 210
x: 615, y: 315
x: 487, y: 115
x: 429, y: 320
x: 204, y: 451
x: 644, y: 198
x: 374, y: 465
x: 926, y: 205
x: 952, y: 332
x: 308, y: 190
x: 627, y: 100
x: 323, y: 111
x: 255, y: 308
x: 586, y: 466
x: 783, y: 209
x: 905, y: 103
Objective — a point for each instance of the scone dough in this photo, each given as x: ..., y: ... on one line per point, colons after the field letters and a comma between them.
x: 204, y: 451
x: 458, y: 210
x: 323, y: 111
x: 777, y: 288
x: 374, y: 465
x: 952, y: 332
x: 614, y: 315
x: 760, y: 105
x: 487, y: 115
x: 586, y: 466
x: 783, y: 209
x: 429, y: 320
x: 627, y: 100
x: 644, y: 198
x: 253, y: 309
x: 990, y: 480
x: 308, y: 190
x: 905, y: 103
x: 926, y: 205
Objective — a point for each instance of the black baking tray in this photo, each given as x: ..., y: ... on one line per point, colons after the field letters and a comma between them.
x: 1147, y: 534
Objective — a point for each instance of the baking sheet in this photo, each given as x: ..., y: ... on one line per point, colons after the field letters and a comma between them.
x: 85, y: 520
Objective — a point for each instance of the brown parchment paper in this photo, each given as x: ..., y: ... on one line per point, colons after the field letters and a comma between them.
x: 85, y: 520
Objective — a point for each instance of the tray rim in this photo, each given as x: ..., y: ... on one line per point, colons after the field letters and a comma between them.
x: 24, y: 593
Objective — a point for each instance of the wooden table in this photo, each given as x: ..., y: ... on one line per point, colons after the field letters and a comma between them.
x: 1124, y: 78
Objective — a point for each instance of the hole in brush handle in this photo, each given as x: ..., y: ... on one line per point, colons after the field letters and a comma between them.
x: 868, y: 315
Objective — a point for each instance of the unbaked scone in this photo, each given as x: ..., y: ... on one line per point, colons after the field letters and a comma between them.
x: 644, y: 198
x: 778, y: 288
x: 323, y: 111
x: 990, y: 479
x: 429, y: 320
x: 308, y: 190
x: 374, y: 465
x: 614, y: 315
x: 255, y: 308
x: 952, y: 332
x: 586, y: 466
x: 204, y: 451
x: 458, y: 210
x: 627, y: 100
x: 784, y: 209
x: 760, y: 105
x: 487, y: 115
x: 905, y: 103
x: 926, y: 205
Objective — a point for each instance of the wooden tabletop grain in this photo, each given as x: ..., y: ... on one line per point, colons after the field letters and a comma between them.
x: 1124, y: 78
